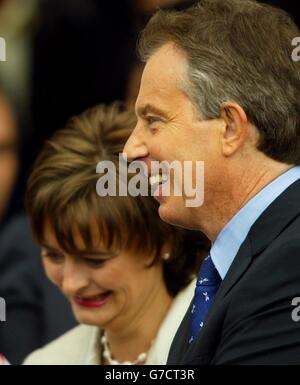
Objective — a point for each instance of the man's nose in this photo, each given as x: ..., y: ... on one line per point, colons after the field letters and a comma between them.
x: 74, y: 278
x: 135, y: 146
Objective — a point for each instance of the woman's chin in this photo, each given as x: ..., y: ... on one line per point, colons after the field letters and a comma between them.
x: 87, y: 317
x: 90, y: 320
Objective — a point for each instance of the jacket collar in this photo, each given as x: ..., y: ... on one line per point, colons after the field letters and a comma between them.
x: 268, y: 226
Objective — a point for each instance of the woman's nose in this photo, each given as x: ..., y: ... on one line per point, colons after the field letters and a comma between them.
x: 74, y: 279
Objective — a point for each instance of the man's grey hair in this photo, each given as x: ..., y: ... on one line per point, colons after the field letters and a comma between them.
x: 240, y: 51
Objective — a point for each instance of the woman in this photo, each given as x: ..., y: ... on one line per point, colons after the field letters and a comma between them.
x: 126, y: 273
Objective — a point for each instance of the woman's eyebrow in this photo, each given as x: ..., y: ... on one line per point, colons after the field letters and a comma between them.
x: 95, y: 253
x: 45, y: 246
x: 84, y: 253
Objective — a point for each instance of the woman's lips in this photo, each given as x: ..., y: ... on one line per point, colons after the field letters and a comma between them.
x: 93, y: 302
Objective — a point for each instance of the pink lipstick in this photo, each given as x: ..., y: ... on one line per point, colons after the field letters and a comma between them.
x: 93, y: 302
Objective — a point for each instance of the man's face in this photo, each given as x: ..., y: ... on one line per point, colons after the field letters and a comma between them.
x: 8, y: 155
x: 169, y: 129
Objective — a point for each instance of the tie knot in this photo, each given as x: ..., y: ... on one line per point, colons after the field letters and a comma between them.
x: 208, y: 274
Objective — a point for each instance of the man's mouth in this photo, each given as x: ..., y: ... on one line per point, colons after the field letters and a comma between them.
x: 159, y: 179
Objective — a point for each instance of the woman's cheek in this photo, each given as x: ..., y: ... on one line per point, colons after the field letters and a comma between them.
x: 54, y: 273
x: 109, y: 277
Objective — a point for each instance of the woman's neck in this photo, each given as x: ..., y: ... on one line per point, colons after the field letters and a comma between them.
x: 136, y: 337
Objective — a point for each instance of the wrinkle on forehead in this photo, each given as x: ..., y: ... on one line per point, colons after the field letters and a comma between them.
x: 169, y: 61
x: 163, y: 77
x: 170, y: 65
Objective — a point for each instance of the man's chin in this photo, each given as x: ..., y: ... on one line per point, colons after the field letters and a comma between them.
x: 174, y: 214
x: 168, y: 212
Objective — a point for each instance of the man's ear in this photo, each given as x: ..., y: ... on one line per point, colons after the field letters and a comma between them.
x: 236, y: 129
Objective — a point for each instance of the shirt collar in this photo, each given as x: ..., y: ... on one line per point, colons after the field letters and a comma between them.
x: 230, y: 239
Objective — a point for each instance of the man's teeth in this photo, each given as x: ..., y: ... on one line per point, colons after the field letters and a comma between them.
x: 158, y: 179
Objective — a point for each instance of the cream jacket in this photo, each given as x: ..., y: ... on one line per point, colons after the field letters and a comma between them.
x: 81, y: 345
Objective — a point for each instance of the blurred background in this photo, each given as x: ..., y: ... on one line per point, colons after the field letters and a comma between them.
x: 63, y: 56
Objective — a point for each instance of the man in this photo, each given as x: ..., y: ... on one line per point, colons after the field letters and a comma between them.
x: 220, y: 86
x: 8, y: 154
x: 36, y: 312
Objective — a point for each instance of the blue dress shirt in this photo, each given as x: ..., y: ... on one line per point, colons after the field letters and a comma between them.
x: 230, y: 239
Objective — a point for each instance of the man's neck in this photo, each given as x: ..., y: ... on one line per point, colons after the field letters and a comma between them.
x: 242, y: 189
x: 260, y: 179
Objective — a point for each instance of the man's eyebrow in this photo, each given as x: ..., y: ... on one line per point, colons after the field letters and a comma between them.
x: 149, y: 108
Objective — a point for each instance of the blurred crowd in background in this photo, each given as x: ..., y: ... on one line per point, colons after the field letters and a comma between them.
x: 63, y: 56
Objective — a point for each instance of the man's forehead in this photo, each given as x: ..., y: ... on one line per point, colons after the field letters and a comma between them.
x: 165, y: 52
x: 168, y: 62
x: 162, y: 78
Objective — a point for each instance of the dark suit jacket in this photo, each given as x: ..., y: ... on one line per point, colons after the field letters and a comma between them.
x: 36, y: 311
x: 250, y: 321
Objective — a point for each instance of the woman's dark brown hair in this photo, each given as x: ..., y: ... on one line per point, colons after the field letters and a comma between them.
x: 62, y: 191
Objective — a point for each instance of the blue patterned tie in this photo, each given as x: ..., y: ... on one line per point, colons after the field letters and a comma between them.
x: 207, y: 285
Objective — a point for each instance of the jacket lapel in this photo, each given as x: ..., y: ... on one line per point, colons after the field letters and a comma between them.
x: 180, y: 341
x: 236, y: 271
x: 267, y: 227
x: 275, y: 218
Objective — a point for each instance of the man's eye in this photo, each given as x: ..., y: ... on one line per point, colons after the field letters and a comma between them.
x: 152, y: 119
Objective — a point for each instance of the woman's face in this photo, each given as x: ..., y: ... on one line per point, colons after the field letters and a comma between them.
x: 105, y: 290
